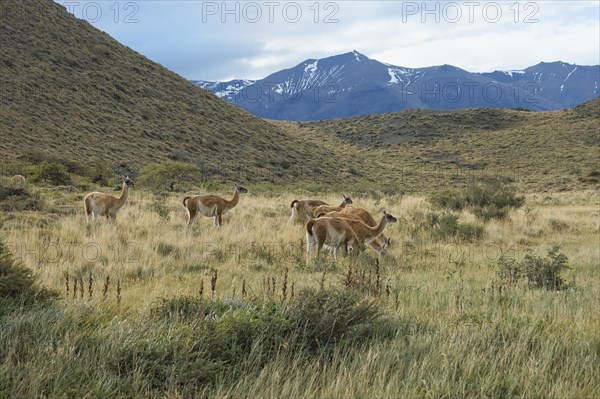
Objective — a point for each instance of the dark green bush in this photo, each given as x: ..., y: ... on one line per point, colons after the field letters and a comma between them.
x: 470, y: 231
x: 17, y: 284
x: 442, y: 226
x: 170, y: 175
x: 488, y: 200
x: 166, y: 249
x: 323, y: 317
x: 509, y: 270
x: 545, y: 272
x: 18, y: 198
x: 53, y: 173
x: 446, y: 225
x: 540, y: 272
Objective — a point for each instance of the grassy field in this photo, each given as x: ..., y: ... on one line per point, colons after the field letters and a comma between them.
x: 432, y: 319
x: 145, y: 307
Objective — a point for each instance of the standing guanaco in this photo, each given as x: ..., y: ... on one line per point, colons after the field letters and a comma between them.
x: 212, y: 205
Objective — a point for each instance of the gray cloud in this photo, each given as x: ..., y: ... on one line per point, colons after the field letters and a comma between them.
x: 203, y: 40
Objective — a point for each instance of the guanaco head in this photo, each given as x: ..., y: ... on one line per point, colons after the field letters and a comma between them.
x: 389, y: 218
x: 347, y: 199
x: 383, y: 250
x: 127, y: 181
x: 240, y: 189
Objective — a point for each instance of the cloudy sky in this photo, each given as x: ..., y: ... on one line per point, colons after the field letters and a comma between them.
x: 216, y: 40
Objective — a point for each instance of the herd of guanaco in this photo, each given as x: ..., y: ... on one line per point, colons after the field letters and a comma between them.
x: 338, y: 227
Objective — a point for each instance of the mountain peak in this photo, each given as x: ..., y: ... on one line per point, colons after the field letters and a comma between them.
x: 350, y: 56
x: 351, y: 84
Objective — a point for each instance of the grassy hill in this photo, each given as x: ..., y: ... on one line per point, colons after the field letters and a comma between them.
x: 71, y: 91
x: 554, y: 150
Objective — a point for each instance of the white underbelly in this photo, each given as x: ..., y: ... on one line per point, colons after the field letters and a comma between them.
x: 207, y: 211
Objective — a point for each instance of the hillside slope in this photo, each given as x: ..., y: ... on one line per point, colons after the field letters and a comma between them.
x: 555, y: 150
x: 71, y: 90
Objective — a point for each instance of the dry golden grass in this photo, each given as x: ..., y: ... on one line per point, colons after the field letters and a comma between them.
x: 458, y: 320
x: 152, y: 251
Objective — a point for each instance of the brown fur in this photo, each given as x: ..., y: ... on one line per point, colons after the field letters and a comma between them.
x: 334, y: 232
x: 363, y: 217
x: 211, y: 205
x: 326, y: 208
x: 108, y: 205
x: 303, y: 208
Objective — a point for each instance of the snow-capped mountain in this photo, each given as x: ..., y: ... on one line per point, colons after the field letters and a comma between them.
x: 352, y: 84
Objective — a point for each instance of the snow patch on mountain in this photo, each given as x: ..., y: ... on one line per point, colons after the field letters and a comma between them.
x: 569, y: 75
x: 513, y: 73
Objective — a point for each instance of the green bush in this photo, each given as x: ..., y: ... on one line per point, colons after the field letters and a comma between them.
x: 487, y: 200
x: 446, y: 225
x: 166, y: 249
x: 545, y: 272
x: 53, y: 173
x: 14, y: 198
x: 17, y: 284
x: 470, y: 232
x: 323, y: 317
x: 170, y: 175
x: 442, y: 226
x: 540, y: 272
x: 509, y: 270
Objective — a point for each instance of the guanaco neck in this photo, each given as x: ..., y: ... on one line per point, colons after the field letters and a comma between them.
x: 377, y: 230
x: 234, y: 200
x: 343, y: 204
x: 123, y: 197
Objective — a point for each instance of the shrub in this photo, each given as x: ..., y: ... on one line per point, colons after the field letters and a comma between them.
x: 446, y: 225
x: 168, y: 174
x: 166, y: 249
x: 488, y: 200
x: 442, y: 226
x: 545, y: 272
x: 17, y: 284
x: 18, y: 198
x: 470, y: 231
x: 509, y: 270
x: 323, y: 317
x: 53, y: 173
x: 541, y: 272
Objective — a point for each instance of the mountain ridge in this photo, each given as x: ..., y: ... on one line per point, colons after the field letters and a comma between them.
x: 352, y: 84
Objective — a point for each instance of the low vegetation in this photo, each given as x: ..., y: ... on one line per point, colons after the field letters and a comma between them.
x: 488, y: 199
x: 152, y: 308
